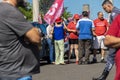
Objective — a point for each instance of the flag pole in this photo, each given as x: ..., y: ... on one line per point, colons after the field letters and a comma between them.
x: 35, y: 10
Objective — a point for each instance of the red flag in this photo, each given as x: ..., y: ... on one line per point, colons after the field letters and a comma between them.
x: 54, y: 12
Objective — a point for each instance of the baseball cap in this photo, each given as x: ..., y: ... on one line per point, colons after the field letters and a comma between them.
x: 76, y: 16
x: 58, y: 20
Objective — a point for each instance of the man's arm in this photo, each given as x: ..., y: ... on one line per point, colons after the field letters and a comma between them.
x: 65, y: 27
x: 93, y: 28
x: 93, y: 31
x: 77, y: 25
x: 112, y: 41
x: 33, y: 35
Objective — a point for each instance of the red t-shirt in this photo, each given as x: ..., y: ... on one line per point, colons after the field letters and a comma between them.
x: 100, y: 26
x: 114, y: 30
x: 72, y: 26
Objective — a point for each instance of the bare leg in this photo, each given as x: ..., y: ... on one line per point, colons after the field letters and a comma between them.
x: 70, y: 51
x: 102, y: 53
x: 76, y: 51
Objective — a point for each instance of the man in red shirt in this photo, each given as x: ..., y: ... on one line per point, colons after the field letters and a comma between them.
x: 101, y: 26
x: 73, y: 37
x: 114, y: 11
x: 112, y: 40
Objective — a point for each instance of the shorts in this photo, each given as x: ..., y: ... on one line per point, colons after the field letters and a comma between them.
x: 73, y: 41
x: 98, y: 42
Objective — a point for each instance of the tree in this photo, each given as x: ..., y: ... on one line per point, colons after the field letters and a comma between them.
x: 66, y: 14
x: 27, y: 11
x: 45, y: 5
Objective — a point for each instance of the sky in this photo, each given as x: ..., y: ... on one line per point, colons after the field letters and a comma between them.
x: 75, y: 6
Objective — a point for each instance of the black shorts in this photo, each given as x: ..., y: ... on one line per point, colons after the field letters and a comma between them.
x: 73, y: 41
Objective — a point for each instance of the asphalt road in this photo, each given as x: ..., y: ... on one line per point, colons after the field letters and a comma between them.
x: 72, y: 71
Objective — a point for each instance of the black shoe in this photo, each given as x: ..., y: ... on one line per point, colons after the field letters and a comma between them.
x: 103, y: 76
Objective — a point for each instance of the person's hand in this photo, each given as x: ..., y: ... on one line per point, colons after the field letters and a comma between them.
x: 63, y: 22
x: 94, y: 35
x: 74, y: 31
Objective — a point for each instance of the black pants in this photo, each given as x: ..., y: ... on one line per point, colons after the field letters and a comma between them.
x: 84, y: 49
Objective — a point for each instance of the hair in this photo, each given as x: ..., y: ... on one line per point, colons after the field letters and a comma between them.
x: 99, y: 12
x: 107, y: 2
x: 85, y: 14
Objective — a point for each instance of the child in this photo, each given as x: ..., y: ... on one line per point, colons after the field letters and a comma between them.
x: 59, y: 41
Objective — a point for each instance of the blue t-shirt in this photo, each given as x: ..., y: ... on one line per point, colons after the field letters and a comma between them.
x: 58, y: 32
x: 85, y: 26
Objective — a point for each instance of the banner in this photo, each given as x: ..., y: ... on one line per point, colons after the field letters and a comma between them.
x: 54, y: 12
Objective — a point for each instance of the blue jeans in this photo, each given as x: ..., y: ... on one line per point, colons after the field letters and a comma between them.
x: 110, y: 59
x: 25, y: 78
x: 51, y: 50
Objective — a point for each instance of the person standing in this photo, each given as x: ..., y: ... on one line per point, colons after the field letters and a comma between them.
x: 59, y: 41
x: 50, y: 43
x: 85, y: 27
x: 101, y: 27
x: 109, y: 8
x: 112, y: 40
x: 73, y: 37
x: 19, y: 53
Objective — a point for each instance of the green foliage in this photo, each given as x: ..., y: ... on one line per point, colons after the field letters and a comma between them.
x: 45, y: 5
x: 27, y: 11
x: 66, y: 14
